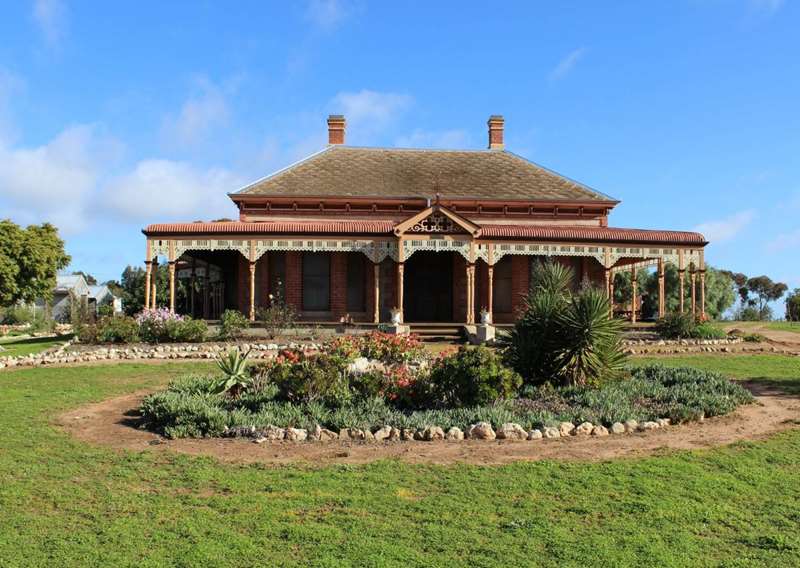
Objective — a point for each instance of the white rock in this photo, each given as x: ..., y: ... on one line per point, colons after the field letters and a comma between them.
x: 551, y: 433
x: 584, y: 429
x: 648, y: 426
x: 454, y: 434
x: 599, y: 430
x: 566, y: 428
x: 662, y: 422
x: 432, y: 433
x: 511, y: 431
x: 617, y: 428
x: 535, y: 434
x: 631, y: 425
x: 481, y: 431
x: 407, y: 434
x: 383, y: 433
x: 296, y: 434
x: 394, y: 434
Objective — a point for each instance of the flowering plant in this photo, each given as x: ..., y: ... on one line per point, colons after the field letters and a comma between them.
x: 153, y: 324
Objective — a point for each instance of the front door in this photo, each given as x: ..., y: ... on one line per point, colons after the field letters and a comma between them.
x: 428, y: 287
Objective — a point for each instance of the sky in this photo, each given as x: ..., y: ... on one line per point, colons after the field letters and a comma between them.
x: 116, y: 115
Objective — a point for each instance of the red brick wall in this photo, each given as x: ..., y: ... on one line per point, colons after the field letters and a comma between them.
x: 294, y: 279
x: 481, y: 288
x: 520, y: 281
x: 339, y: 284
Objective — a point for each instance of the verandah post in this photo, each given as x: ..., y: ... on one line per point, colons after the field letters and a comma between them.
x: 662, y: 300
x: 148, y: 268
x: 633, y: 293
x: 376, y: 316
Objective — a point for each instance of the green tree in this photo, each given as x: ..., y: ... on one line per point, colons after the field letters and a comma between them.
x: 720, y: 291
x: 131, y: 287
x: 765, y: 291
x: 30, y: 259
x: 793, y: 305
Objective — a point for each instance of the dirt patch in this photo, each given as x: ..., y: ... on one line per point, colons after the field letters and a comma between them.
x: 113, y: 422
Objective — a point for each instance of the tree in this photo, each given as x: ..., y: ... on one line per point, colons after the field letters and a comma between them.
x: 765, y: 290
x: 720, y: 290
x: 30, y: 259
x: 793, y: 305
x: 131, y: 288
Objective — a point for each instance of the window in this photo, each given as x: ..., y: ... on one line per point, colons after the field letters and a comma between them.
x: 276, y: 267
x: 316, y: 282
x: 356, y: 269
x: 501, y: 298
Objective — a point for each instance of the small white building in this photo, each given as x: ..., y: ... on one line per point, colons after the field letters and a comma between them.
x: 73, y: 287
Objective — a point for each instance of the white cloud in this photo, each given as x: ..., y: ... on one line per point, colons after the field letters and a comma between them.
x: 51, y: 18
x: 370, y: 111
x: 165, y: 190
x: 566, y: 64
x: 53, y: 182
x: 721, y: 230
x: 785, y: 241
x: 446, y: 139
x: 326, y: 14
x: 198, y: 116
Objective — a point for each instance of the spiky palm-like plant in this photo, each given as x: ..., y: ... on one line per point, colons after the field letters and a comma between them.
x: 590, y: 340
x: 235, y: 378
x: 561, y: 337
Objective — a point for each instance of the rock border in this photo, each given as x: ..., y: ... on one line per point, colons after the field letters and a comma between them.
x: 61, y: 355
x: 509, y: 431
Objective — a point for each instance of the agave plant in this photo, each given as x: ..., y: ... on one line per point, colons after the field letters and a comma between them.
x: 235, y: 377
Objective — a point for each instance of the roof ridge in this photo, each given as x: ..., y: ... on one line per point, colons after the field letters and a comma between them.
x: 280, y: 171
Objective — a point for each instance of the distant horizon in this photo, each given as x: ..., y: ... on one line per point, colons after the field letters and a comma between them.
x: 685, y: 112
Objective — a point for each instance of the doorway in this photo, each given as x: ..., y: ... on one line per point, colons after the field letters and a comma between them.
x: 428, y: 287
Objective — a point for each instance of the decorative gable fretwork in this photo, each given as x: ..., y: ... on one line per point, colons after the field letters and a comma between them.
x: 435, y: 244
x: 436, y: 223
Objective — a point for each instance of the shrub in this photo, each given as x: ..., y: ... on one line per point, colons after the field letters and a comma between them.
x: 306, y: 378
x: 571, y: 339
x: 232, y: 324
x: 189, y: 406
x: 471, y: 376
x: 117, y: 329
x: 278, y: 317
x: 105, y: 310
x: 153, y: 324
x: 707, y: 330
x: 17, y: 315
x: 186, y: 330
x: 676, y: 326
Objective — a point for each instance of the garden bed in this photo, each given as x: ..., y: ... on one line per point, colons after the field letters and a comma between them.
x: 115, y: 423
x: 650, y: 398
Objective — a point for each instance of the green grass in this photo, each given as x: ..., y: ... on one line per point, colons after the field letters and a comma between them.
x: 66, y: 503
x: 776, y: 370
x: 30, y: 345
x: 793, y: 326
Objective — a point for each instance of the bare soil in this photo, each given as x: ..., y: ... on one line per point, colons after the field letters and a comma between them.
x: 114, y: 423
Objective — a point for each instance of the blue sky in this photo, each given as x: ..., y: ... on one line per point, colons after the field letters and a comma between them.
x: 113, y: 116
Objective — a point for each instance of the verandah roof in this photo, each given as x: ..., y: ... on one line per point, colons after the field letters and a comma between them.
x: 382, y: 227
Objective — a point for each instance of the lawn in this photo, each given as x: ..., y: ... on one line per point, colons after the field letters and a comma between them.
x: 66, y: 503
x: 14, y: 346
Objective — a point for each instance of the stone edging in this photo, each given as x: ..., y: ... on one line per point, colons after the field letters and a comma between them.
x: 60, y: 355
x: 660, y: 342
x: 479, y: 431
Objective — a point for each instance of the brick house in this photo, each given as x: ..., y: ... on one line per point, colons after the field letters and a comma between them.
x: 437, y: 235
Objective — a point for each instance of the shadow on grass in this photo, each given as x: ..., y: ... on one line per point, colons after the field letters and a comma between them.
x: 35, y: 340
x: 768, y: 386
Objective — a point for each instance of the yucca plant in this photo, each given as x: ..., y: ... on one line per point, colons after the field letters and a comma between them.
x: 590, y: 340
x: 235, y: 376
x: 564, y: 338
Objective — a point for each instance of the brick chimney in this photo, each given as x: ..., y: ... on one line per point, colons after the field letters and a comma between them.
x: 336, y: 125
x: 496, y: 124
